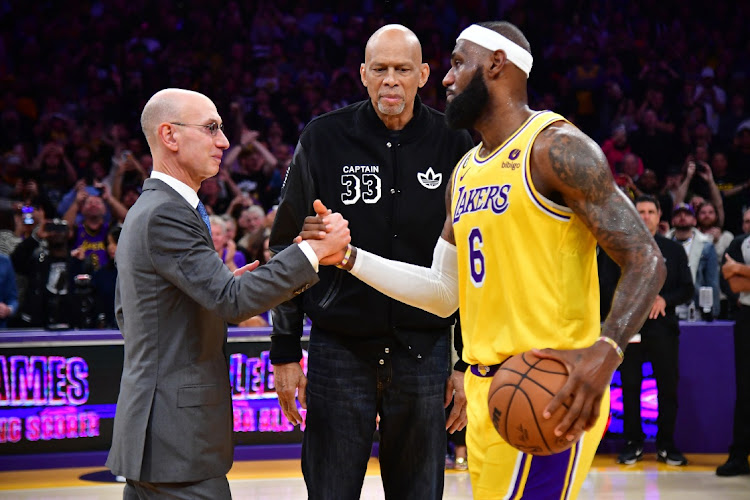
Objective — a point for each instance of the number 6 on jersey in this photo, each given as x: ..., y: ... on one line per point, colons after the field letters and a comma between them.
x: 476, y: 257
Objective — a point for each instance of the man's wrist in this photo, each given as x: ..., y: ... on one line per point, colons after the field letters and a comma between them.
x: 614, y: 346
x: 461, y: 366
x: 285, y: 349
x: 344, y: 264
x: 348, y: 263
x: 310, y: 254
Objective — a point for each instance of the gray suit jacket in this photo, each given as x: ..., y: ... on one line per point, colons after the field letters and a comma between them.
x: 174, y: 296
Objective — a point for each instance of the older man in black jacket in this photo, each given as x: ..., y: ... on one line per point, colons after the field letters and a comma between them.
x: 384, y: 164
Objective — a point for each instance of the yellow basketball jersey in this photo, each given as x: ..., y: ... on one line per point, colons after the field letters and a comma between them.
x: 527, y: 266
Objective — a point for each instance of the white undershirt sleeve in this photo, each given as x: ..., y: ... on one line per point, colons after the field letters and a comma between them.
x: 434, y: 289
x: 310, y: 254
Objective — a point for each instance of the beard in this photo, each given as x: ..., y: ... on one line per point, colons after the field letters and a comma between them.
x: 392, y: 110
x: 706, y: 223
x: 466, y: 108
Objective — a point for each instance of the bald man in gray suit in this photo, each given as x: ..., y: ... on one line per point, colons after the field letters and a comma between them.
x: 173, y: 426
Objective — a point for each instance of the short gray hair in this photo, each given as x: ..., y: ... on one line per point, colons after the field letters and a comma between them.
x: 217, y: 221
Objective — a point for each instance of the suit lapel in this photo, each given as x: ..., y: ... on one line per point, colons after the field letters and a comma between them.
x: 158, y: 185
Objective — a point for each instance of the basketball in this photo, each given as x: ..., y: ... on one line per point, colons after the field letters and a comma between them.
x: 521, y: 389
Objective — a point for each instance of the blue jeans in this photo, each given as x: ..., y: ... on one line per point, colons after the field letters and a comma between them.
x: 346, y: 390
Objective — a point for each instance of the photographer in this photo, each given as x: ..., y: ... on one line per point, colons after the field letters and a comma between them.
x: 16, y: 226
x: 44, y: 259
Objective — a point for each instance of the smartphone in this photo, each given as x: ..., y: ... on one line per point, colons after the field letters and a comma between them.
x: 28, y: 214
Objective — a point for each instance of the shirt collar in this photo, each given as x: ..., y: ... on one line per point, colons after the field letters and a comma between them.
x: 182, y: 189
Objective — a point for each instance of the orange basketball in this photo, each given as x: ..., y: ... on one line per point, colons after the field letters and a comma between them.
x: 520, y: 391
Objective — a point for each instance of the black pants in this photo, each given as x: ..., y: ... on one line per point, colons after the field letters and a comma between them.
x: 346, y: 390
x: 661, y: 349
x: 741, y: 434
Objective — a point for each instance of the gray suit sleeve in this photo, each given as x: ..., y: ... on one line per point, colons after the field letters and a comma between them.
x: 119, y: 316
x: 182, y: 254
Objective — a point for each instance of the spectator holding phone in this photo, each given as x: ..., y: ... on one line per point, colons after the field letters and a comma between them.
x: 699, y: 180
x: 50, y: 270
x: 17, y: 225
x: 90, y: 234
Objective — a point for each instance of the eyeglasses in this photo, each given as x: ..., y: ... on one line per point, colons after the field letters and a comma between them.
x: 213, y: 127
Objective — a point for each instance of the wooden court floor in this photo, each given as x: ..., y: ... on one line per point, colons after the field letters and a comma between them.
x: 282, y: 480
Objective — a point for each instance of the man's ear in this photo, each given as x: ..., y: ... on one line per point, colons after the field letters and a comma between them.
x: 362, y: 70
x: 166, y: 135
x: 498, y: 59
x: 424, y: 74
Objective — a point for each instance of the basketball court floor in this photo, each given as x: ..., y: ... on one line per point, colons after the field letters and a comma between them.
x: 282, y: 480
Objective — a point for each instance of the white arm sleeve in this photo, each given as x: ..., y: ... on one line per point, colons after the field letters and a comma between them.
x: 434, y: 289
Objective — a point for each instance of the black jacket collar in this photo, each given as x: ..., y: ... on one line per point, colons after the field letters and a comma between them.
x: 411, y: 131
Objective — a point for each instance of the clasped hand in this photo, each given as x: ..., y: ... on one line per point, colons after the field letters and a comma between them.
x: 326, y: 228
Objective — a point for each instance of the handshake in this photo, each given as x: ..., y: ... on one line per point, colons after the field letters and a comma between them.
x: 327, y: 234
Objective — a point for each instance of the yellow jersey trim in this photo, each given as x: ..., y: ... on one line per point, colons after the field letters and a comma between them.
x: 547, y: 206
x: 479, y: 160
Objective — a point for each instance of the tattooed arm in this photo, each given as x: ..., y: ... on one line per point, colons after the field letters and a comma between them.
x: 569, y: 168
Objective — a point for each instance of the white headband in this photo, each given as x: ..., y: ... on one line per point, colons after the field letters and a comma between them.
x: 492, y: 40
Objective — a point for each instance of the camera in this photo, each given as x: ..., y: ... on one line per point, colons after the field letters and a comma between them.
x: 28, y: 214
x: 56, y: 226
x: 84, y: 293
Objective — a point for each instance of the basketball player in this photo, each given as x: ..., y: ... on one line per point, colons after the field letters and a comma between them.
x: 526, y: 209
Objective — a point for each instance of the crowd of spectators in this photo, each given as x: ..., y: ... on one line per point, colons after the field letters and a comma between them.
x: 662, y: 87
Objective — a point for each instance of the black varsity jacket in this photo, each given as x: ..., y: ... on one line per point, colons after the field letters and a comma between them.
x: 390, y: 186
